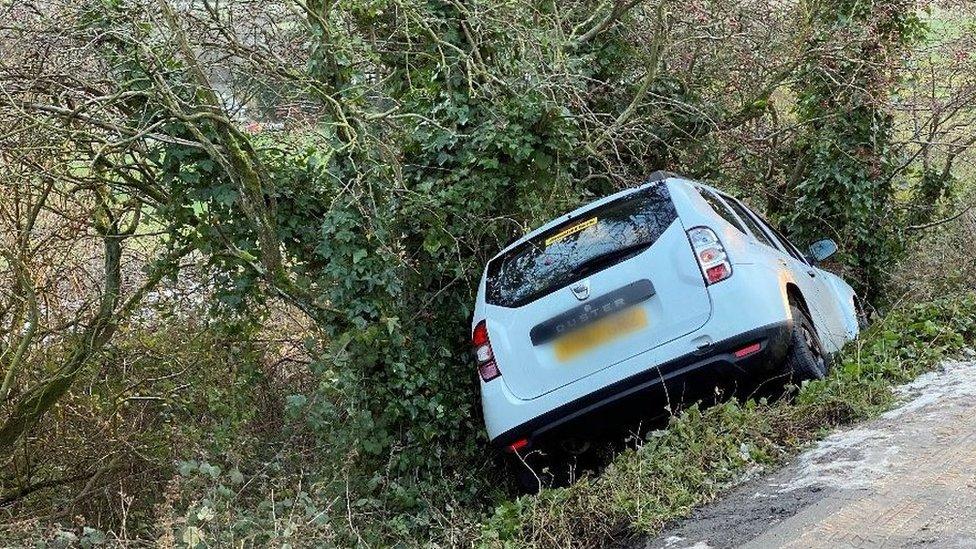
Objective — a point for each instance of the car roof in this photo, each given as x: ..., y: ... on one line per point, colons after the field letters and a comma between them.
x: 654, y: 179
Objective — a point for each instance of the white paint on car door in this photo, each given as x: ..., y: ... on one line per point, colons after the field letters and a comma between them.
x: 814, y: 285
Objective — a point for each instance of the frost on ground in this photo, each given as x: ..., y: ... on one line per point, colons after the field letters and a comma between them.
x: 905, y: 479
x: 955, y: 379
x: 857, y: 457
x: 676, y: 541
x: 840, y: 460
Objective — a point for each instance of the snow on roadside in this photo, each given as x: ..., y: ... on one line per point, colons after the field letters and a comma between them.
x: 953, y: 379
x: 856, y: 458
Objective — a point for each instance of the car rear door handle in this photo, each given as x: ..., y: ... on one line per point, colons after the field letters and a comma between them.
x: 813, y: 274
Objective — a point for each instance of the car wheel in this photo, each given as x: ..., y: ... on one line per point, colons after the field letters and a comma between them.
x: 806, y: 358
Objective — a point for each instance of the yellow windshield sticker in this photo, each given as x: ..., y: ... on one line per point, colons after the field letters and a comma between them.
x: 572, y: 230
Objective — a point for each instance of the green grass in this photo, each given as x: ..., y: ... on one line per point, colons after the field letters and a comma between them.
x: 703, y: 452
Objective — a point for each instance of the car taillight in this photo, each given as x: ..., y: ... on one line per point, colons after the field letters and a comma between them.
x: 748, y: 350
x: 710, y: 253
x: 518, y: 445
x: 483, y: 354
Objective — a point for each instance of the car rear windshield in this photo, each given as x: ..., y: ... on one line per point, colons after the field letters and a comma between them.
x: 583, y: 245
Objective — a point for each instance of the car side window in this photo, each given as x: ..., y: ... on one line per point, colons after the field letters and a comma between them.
x: 754, y: 227
x: 794, y: 251
x: 770, y: 233
x: 722, y: 209
x: 790, y: 248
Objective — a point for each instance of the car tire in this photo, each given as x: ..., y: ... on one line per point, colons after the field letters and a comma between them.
x: 806, y: 358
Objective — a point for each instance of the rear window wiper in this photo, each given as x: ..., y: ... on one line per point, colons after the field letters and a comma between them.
x: 594, y: 263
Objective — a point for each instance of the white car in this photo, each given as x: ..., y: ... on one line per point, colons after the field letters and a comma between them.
x: 601, y: 310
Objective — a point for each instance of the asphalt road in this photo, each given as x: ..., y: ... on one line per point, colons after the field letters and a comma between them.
x: 906, y: 479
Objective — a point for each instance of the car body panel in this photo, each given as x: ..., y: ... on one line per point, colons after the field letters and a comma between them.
x: 679, y: 306
x: 844, y: 300
x: 812, y: 282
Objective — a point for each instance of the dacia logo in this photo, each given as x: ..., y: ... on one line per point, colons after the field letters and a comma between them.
x: 581, y: 289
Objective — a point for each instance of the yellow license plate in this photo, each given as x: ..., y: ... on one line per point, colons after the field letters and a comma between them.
x: 600, y: 332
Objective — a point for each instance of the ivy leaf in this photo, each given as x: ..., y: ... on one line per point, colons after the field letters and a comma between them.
x: 293, y: 403
x: 192, y: 536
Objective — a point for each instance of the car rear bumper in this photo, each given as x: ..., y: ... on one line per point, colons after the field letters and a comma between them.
x: 641, y: 393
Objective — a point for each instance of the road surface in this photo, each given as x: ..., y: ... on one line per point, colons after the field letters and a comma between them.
x: 906, y: 479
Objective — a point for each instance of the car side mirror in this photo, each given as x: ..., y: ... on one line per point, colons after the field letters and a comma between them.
x: 822, y: 249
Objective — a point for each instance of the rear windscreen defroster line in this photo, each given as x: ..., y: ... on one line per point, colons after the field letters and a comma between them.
x: 588, y: 243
